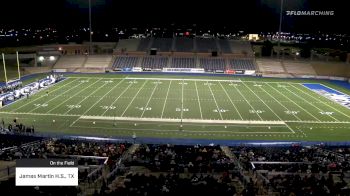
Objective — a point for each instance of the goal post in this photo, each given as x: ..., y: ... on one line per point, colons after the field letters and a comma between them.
x: 19, y: 72
x: 3, y: 62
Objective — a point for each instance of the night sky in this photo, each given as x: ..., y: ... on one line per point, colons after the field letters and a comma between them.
x: 247, y: 15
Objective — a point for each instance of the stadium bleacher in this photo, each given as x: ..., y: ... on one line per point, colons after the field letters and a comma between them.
x: 170, y: 185
x: 70, y: 61
x: 184, y: 54
x: 98, y: 61
x: 208, y: 63
x: 241, y: 47
x: 125, y: 62
x: 299, y: 68
x: 331, y: 69
x: 128, y: 45
x: 161, y: 168
x: 270, y: 66
x: 155, y: 62
x: 224, y: 46
x: 242, y: 64
x: 296, y: 169
x: 183, y: 62
x: 183, y: 44
x: 213, y: 63
x: 206, y: 45
x: 144, y: 44
x: 162, y: 44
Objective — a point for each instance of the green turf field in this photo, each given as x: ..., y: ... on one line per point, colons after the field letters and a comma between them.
x: 183, y: 107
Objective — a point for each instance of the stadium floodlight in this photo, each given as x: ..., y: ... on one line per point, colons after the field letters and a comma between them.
x: 52, y: 58
x: 279, y: 31
x: 90, y: 28
x: 41, y: 58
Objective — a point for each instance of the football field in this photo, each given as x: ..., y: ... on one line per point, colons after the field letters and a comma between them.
x: 183, y: 108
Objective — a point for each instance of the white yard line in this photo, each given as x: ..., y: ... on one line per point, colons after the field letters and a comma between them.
x: 103, y: 96
x: 231, y: 101
x: 43, y: 95
x: 37, y: 114
x: 317, y: 122
x: 199, y: 103
x: 117, y: 99
x: 182, y: 99
x: 203, y: 80
x: 175, y: 79
x: 251, y: 133
x: 265, y: 104
x: 127, y: 107
x: 247, y: 102
x: 228, y: 122
x: 166, y: 98
x: 184, y: 120
x: 326, y: 98
x: 279, y: 102
x: 150, y: 97
x: 55, y: 97
x: 217, y: 106
x: 72, y: 96
x: 189, y: 79
x: 295, y: 103
x: 86, y: 97
x: 309, y: 102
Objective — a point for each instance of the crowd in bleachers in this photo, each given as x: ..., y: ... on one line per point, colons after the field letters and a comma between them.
x: 195, y: 170
x: 187, y: 170
x: 8, y: 188
x: 90, y: 169
x: 193, y: 159
x: 61, y: 147
x: 140, y: 184
x: 9, y: 141
x: 299, y: 170
x: 326, y: 160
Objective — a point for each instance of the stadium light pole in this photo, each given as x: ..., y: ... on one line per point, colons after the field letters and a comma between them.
x: 90, y: 28
x: 279, y: 31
